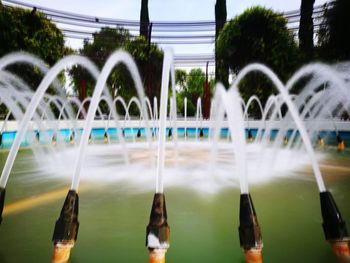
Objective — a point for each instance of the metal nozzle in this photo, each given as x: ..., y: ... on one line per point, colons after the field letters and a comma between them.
x: 157, y: 256
x: 67, y: 225
x: 253, y: 255
x: 105, y: 137
x: 138, y: 133
x: 61, y: 252
x: 320, y: 142
x: 158, y: 231
x: 249, y: 229
x: 250, y: 136
x: 341, y: 144
x: 341, y: 250
x: 72, y: 137
x: 170, y: 132
x: 334, y: 226
x: 201, y: 133
x: 2, y: 201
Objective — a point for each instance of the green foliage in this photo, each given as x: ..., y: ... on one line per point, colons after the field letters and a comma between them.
x: 191, y: 86
x: 258, y: 35
x: 195, y: 84
x: 25, y: 30
x: 334, y: 34
x: 180, y: 78
x: 148, y: 59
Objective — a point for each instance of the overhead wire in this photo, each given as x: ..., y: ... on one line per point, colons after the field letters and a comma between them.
x: 178, y: 32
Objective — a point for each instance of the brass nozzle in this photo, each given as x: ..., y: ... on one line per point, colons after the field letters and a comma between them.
x: 341, y: 250
x: 250, y: 136
x: 320, y: 142
x: 253, y: 255
x: 2, y: 201
x: 105, y: 137
x: 61, y: 252
x: 341, y: 144
x: 157, y: 255
x: 158, y: 231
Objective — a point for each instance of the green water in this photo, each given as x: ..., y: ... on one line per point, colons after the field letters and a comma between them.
x: 204, y: 228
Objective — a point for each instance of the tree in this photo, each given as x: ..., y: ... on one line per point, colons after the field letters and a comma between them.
x: 180, y: 78
x: 306, y: 29
x: 221, y: 69
x: 31, y: 31
x: 106, y: 42
x: 258, y: 35
x: 144, y: 19
x: 334, y: 33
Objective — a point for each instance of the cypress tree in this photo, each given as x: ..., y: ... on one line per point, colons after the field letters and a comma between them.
x: 144, y: 19
x: 221, y: 70
x: 306, y: 29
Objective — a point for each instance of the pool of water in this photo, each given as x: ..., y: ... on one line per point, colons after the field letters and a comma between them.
x: 204, y: 227
x: 98, y: 135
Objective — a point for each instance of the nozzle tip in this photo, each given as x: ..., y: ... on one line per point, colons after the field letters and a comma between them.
x: 253, y: 255
x: 341, y: 249
x: 157, y: 255
x: 61, y: 252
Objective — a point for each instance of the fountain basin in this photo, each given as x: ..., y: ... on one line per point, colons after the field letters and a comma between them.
x: 113, y: 217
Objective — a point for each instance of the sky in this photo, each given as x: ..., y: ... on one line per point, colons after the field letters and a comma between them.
x: 164, y: 10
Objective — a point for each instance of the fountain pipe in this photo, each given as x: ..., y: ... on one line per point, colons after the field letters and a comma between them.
x: 341, y: 144
x: 158, y: 231
x: 333, y: 222
x: 334, y: 227
x: 66, y: 228
x: 249, y: 230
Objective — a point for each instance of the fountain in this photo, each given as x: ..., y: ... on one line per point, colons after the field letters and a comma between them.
x: 280, y: 143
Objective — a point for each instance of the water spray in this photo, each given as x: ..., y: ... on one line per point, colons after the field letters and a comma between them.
x: 66, y: 228
x: 158, y: 231
x: 249, y: 230
x: 334, y: 227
